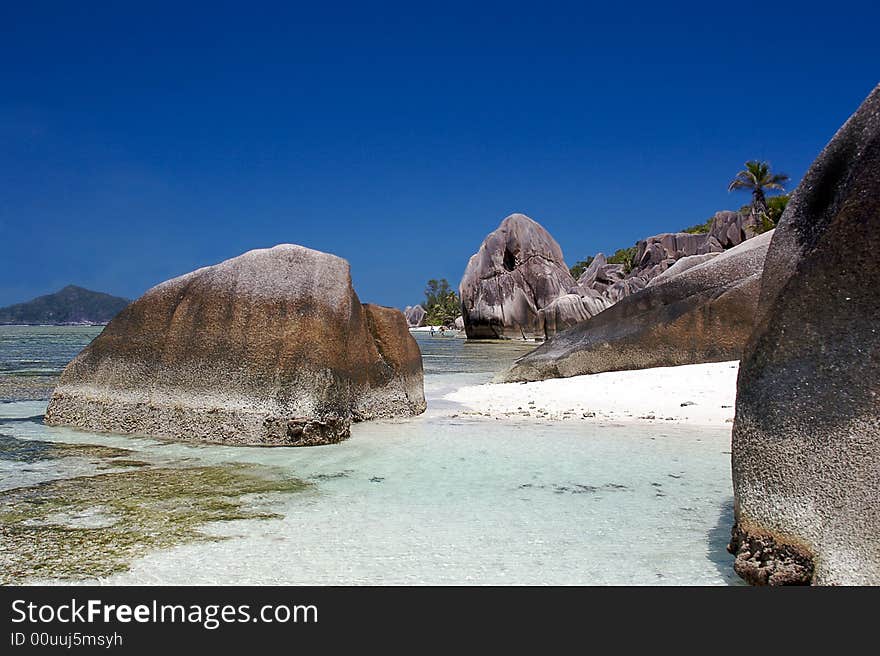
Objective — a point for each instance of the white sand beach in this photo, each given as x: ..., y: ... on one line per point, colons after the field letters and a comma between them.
x: 697, y: 394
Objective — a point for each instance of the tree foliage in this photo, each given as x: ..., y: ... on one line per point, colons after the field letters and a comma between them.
x: 776, y: 206
x: 442, y: 304
x: 624, y: 256
x: 700, y: 228
x: 577, y: 269
x: 758, y: 178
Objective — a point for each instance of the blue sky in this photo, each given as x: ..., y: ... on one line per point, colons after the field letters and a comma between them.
x: 140, y: 142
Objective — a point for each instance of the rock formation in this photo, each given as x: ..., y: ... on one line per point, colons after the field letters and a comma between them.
x: 703, y: 314
x: 806, y: 438
x: 415, y: 316
x: 272, y: 347
x: 654, y: 255
x: 518, y: 272
x: 731, y: 229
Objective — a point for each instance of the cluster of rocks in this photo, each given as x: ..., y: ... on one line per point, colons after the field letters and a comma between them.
x: 272, y: 347
x: 654, y: 255
x: 517, y: 286
x: 700, y: 310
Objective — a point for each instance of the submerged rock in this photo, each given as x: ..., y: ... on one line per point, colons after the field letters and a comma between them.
x: 271, y: 347
x: 518, y: 271
x: 703, y: 314
x: 806, y: 438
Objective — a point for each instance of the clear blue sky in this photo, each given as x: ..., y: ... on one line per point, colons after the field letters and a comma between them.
x: 139, y: 141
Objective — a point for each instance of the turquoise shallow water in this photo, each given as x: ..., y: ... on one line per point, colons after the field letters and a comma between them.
x: 441, y: 498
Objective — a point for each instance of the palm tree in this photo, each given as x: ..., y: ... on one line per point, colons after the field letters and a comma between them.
x: 756, y: 176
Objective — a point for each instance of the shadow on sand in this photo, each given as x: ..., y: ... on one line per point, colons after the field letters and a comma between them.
x: 716, y: 544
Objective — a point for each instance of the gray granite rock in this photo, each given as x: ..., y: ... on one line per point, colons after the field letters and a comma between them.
x: 732, y: 228
x: 272, y: 347
x: 566, y: 311
x: 672, y: 246
x: 704, y: 314
x: 415, y: 316
x: 680, y: 266
x: 518, y: 271
x: 806, y: 438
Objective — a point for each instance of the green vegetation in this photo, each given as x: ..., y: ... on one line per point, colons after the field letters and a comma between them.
x: 70, y: 305
x: 758, y: 178
x: 776, y: 206
x: 442, y: 304
x: 624, y: 256
x: 700, y: 228
x: 578, y: 268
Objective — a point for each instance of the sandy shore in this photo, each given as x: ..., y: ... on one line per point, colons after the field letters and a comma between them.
x: 699, y: 394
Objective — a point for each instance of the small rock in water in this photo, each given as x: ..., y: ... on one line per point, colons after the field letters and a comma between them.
x: 687, y: 403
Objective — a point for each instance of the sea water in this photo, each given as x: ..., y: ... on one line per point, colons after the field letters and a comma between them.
x: 443, y: 498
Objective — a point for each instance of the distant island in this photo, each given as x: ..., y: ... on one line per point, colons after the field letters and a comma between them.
x: 71, y: 305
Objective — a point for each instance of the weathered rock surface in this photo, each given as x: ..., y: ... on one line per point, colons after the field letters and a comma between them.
x: 518, y: 271
x: 704, y: 314
x: 806, y: 438
x: 732, y: 228
x: 666, y: 248
x: 570, y: 309
x: 655, y: 255
x: 459, y: 323
x: 272, y: 347
x: 415, y: 316
x: 680, y: 266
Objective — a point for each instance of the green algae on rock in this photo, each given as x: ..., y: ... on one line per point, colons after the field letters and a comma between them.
x: 22, y: 450
x: 93, y: 526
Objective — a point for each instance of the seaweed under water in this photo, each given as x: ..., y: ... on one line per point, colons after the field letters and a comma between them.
x: 89, y: 527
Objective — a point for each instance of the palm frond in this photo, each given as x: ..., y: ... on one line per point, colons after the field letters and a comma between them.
x: 757, y: 175
x: 743, y: 180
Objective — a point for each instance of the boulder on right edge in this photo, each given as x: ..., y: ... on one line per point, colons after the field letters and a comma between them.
x: 703, y: 314
x: 806, y: 438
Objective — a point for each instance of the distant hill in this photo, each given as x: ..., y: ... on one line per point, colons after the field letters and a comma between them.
x: 70, y: 305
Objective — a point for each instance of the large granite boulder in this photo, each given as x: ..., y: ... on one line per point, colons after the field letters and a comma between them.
x: 570, y: 309
x: 272, y: 347
x: 732, y: 228
x: 666, y: 248
x: 704, y: 314
x: 518, y: 271
x: 680, y: 266
x: 806, y: 438
x: 651, y: 258
x: 415, y: 316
